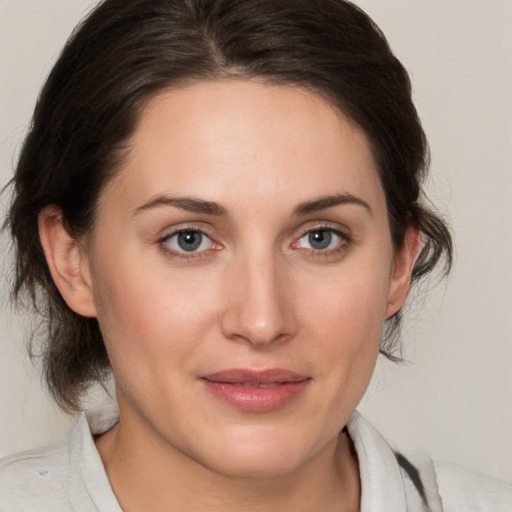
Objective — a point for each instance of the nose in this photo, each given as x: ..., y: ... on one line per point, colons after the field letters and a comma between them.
x: 259, y: 308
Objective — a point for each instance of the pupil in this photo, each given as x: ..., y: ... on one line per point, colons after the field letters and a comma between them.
x: 189, y: 240
x: 320, y: 239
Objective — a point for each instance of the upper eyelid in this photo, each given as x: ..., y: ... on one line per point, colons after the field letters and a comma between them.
x: 206, y: 230
x: 185, y: 230
x: 175, y: 232
x: 342, y: 231
x: 170, y: 231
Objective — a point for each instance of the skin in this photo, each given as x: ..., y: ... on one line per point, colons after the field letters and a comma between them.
x: 255, y: 295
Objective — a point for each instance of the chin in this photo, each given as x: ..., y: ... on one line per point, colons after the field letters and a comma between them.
x: 261, y: 455
x: 261, y: 466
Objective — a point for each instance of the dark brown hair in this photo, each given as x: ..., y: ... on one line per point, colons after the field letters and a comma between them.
x: 126, y: 51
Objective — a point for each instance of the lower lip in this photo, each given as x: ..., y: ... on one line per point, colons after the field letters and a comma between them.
x: 257, y: 399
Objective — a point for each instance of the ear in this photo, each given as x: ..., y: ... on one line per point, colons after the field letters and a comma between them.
x: 401, y: 275
x: 67, y: 261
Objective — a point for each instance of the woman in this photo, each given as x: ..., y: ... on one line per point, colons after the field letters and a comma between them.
x: 219, y: 202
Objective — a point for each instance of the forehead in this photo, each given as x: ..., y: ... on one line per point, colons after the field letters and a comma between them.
x: 236, y: 138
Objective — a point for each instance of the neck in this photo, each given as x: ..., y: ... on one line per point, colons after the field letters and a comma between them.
x: 149, y: 475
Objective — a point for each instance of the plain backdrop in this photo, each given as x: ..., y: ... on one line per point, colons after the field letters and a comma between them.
x: 453, y: 398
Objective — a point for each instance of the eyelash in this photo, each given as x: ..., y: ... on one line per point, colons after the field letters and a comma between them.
x: 186, y: 255
x: 343, y: 246
x: 344, y: 243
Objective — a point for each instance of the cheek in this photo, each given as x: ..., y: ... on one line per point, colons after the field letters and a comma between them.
x: 349, y: 332
x: 151, y: 333
x: 346, y: 320
x: 146, y: 314
x: 353, y: 300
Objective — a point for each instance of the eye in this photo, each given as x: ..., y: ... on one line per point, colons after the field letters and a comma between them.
x: 188, y: 241
x: 322, y: 239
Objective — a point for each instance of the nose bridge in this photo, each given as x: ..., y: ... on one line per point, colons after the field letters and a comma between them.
x: 259, y: 310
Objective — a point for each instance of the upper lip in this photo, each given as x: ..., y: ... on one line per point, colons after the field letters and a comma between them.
x: 256, y: 377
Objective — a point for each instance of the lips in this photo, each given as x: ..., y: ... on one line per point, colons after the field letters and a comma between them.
x: 256, y: 391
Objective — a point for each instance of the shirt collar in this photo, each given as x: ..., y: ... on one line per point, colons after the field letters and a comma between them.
x: 382, y: 488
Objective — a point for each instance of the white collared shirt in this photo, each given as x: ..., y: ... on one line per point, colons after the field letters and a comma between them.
x: 68, y: 476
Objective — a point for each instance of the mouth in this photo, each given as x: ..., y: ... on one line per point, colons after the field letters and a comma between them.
x: 253, y: 385
x: 256, y: 391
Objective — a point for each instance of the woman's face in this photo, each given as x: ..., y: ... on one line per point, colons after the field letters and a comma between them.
x: 241, y: 268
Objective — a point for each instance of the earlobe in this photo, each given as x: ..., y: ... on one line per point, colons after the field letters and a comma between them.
x: 67, y: 262
x: 400, y: 280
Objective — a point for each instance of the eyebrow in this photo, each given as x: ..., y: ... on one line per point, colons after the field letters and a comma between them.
x: 195, y: 205
x: 190, y: 204
x: 328, y: 202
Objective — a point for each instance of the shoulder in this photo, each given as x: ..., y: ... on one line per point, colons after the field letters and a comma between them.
x: 461, y: 489
x: 35, y: 479
x: 67, y: 475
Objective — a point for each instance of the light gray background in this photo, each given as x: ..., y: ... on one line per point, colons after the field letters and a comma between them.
x: 454, y: 399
